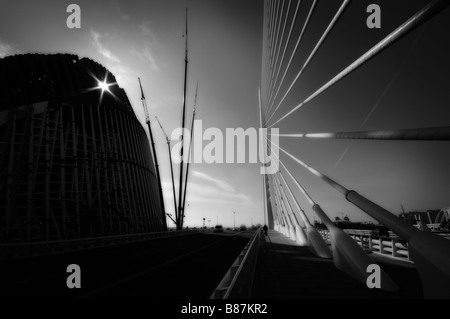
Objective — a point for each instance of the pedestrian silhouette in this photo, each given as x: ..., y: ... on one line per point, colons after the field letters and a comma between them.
x: 265, y: 229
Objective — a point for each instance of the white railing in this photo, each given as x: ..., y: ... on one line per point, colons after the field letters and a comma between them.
x: 238, y: 280
x: 386, y: 246
x: 18, y: 250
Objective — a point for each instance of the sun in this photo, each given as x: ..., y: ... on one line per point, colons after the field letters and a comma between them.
x: 104, y: 86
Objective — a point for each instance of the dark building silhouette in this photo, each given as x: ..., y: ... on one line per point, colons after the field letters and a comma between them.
x: 74, y: 160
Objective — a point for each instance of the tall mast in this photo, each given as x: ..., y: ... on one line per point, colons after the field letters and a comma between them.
x: 262, y: 139
x: 189, y: 152
x: 180, y: 208
x: 147, y: 119
x: 171, y: 168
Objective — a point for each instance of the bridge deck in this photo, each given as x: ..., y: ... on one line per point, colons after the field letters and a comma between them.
x: 287, y: 271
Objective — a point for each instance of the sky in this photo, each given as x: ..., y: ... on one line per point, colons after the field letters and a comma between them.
x: 145, y: 39
x: 407, y: 84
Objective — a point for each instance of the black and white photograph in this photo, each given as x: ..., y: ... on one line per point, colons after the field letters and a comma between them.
x: 230, y: 157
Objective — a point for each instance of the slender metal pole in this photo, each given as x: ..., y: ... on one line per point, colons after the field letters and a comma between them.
x: 155, y: 158
x: 262, y: 143
x: 171, y: 173
x: 171, y: 167
x: 180, y: 191
x: 189, y: 154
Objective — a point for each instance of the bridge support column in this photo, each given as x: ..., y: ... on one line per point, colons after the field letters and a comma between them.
x: 348, y: 256
x: 430, y: 253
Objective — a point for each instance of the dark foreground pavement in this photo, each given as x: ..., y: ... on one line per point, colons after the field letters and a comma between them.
x: 287, y: 271
x: 180, y: 267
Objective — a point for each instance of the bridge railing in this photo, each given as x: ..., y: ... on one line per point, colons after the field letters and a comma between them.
x: 394, y: 247
x: 383, y: 245
x: 18, y: 250
x: 238, y: 281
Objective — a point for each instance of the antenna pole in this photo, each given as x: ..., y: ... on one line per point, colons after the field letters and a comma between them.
x: 171, y: 168
x: 180, y: 207
x: 189, y: 152
x: 147, y: 119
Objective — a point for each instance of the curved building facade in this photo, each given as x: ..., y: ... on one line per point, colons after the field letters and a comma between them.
x: 74, y: 160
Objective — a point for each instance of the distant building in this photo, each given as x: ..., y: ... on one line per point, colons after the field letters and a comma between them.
x: 428, y: 217
x: 74, y: 160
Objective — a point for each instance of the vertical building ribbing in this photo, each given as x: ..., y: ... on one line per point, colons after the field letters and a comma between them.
x: 74, y: 162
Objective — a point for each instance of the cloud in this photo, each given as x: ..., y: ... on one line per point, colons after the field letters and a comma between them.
x: 219, y: 183
x: 124, y: 75
x: 213, y: 195
x: 146, y: 56
x: 7, y: 49
x: 98, y: 45
x: 214, y: 191
x: 150, y: 43
x: 147, y: 32
x: 221, y: 191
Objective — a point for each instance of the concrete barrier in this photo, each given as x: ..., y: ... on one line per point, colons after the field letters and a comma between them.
x: 237, y: 283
